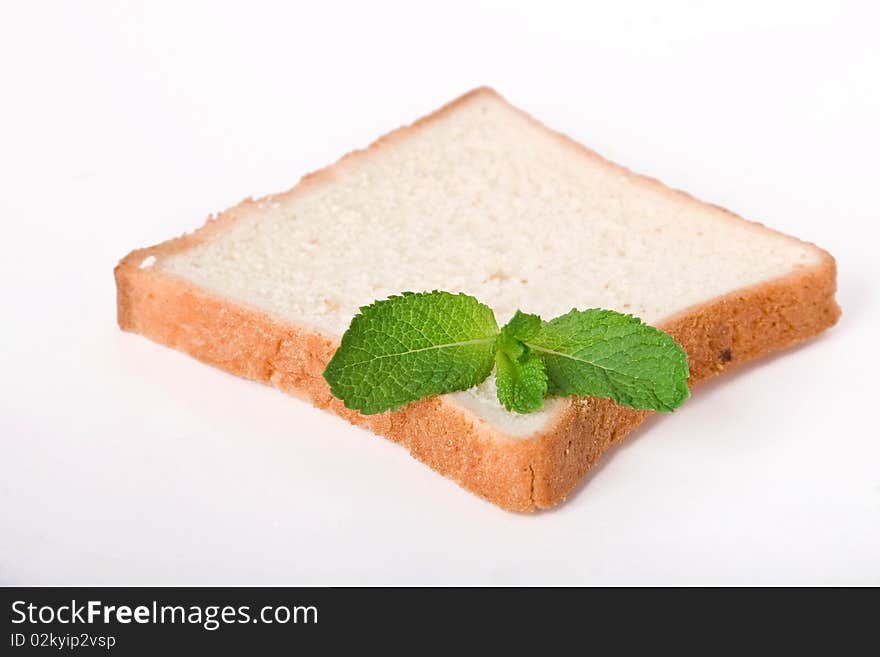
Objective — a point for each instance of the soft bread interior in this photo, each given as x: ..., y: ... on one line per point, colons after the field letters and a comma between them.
x: 482, y: 199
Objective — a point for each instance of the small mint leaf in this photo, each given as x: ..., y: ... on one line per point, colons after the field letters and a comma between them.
x: 603, y: 353
x: 521, y: 382
x: 412, y: 346
x: 521, y: 326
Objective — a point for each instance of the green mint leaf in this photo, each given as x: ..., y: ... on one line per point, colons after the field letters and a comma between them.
x: 603, y: 353
x: 520, y: 377
x: 521, y: 381
x: 412, y: 346
x: 521, y: 326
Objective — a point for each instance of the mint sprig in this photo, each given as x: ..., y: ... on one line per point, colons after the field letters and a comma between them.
x: 429, y: 343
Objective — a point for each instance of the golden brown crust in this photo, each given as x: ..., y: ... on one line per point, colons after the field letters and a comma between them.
x: 515, y: 474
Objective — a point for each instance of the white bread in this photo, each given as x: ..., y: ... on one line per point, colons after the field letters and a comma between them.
x: 479, y: 198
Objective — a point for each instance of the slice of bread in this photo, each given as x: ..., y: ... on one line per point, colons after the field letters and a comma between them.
x: 477, y: 197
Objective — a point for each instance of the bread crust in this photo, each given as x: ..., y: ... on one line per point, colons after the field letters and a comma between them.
x: 516, y: 474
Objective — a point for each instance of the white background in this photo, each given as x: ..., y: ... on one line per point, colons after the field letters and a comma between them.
x: 124, y: 124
